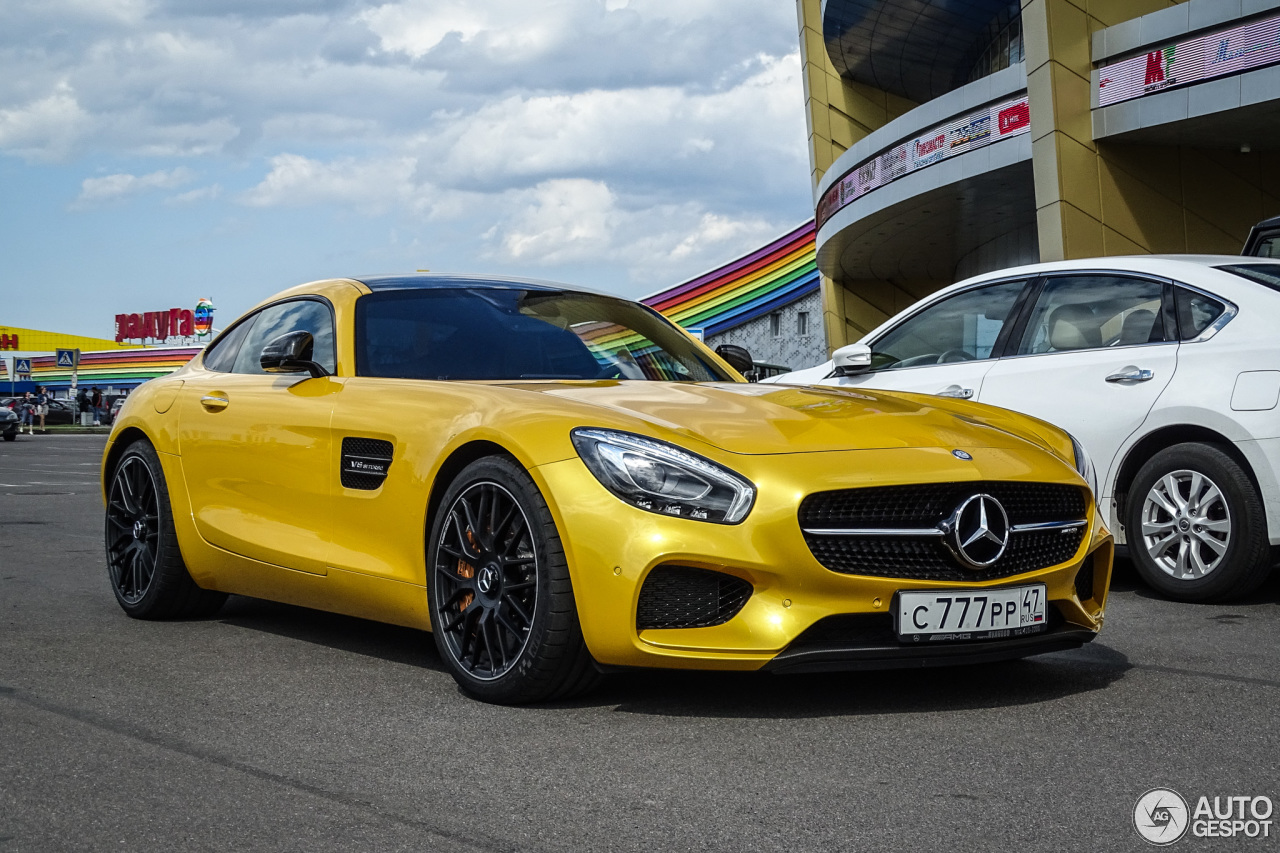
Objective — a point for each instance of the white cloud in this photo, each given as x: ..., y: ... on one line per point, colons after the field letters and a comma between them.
x: 416, y: 27
x: 368, y: 185
x: 652, y: 130
x: 209, y: 193
x: 573, y: 221
x: 112, y: 187
x: 44, y: 130
x: 560, y: 221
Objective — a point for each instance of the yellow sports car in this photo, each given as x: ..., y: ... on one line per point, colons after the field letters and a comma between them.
x: 557, y: 482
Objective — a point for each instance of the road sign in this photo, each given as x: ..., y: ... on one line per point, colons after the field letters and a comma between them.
x: 22, y: 366
x: 68, y: 358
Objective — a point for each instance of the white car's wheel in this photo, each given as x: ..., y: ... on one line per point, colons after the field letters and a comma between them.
x: 1196, y: 526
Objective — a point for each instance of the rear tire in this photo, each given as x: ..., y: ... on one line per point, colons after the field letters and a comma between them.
x: 144, y: 563
x: 503, y: 613
x: 1196, y: 526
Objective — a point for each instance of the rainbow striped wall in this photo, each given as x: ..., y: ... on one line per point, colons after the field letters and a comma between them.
x: 750, y: 287
x: 120, y: 368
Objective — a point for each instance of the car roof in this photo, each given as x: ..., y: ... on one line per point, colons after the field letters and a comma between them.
x: 1168, y: 265
x: 426, y: 281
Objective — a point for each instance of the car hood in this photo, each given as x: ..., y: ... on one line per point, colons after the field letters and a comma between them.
x: 764, y: 419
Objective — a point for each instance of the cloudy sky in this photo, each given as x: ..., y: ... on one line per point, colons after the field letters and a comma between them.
x: 157, y: 151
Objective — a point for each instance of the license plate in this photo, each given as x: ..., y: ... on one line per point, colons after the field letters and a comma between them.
x: 987, y: 614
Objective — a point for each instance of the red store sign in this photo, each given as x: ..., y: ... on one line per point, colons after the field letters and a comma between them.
x: 179, y: 322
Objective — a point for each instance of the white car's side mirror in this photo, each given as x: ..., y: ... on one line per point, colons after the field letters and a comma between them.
x: 852, y: 359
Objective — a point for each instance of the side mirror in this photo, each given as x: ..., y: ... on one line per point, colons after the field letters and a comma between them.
x: 737, y: 357
x: 291, y: 353
x: 852, y: 359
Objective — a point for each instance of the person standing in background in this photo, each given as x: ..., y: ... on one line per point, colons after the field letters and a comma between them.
x: 82, y: 405
x: 42, y: 405
x: 26, y: 412
x: 95, y: 402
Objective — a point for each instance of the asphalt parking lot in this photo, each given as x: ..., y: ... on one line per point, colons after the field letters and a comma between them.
x: 271, y: 727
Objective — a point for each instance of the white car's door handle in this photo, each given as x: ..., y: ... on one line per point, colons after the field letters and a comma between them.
x: 956, y: 391
x: 1131, y: 374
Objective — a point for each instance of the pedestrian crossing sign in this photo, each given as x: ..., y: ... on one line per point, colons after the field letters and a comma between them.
x: 68, y: 358
x: 22, y: 366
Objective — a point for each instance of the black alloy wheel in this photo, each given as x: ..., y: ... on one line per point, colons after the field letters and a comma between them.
x: 133, y: 528
x: 148, y: 576
x: 502, y: 607
x: 487, y: 578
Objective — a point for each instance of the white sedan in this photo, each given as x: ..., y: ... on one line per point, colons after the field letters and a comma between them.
x: 1166, y: 369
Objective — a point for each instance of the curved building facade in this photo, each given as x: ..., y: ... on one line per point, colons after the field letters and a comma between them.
x: 953, y: 137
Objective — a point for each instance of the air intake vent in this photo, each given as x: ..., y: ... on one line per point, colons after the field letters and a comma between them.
x: 1084, y: 579
x: 365, y: 462
x: 683, y: 597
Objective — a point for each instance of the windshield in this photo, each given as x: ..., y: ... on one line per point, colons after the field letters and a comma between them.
x: 507, y: 333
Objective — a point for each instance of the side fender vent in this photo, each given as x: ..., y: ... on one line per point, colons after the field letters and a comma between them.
x: 365, y: 462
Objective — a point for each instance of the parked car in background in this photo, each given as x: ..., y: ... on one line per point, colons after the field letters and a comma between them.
x: 60, y: 411
x: 1166, y: 368
x: 8, y: 423
x: 551, y: 480
x: 1264, y: 239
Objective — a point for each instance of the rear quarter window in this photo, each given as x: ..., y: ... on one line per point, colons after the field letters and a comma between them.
x: 1196, y: 312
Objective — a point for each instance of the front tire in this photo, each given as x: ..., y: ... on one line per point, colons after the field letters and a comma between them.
x: 147, y: 574
x: 1196, y: 526
x: 502, y: 608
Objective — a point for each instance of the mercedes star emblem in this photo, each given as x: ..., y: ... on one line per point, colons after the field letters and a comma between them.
x: 978, y: 531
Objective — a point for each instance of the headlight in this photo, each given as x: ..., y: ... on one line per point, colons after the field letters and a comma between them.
x: 1085, y: 465
x: 662, y: 478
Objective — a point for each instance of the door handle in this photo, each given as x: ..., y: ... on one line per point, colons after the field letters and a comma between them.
x: 214, y: 402
x: 1131, y: 374
x: 956, y: 391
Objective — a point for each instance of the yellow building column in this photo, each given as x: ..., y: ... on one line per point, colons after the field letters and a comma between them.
x: 1116, y: 198
x: 838, y: 113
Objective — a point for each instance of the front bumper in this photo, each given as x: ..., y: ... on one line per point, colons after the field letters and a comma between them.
x: 612, y: 547
x: 889, y: 654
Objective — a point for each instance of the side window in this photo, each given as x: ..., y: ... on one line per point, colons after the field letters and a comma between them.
x: 1195, y: 312
x: 276, y: 320
x: 1094, y: 311
x: 960, y: 328
x: 221, y: 354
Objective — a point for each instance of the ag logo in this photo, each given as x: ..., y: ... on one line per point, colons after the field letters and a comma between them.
x: 1161, y: 817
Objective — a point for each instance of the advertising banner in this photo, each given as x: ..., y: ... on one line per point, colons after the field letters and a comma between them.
x: 1211, y: 55
x: 963, y: 133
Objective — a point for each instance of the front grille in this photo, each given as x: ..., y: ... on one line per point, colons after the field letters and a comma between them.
x: 684, y: 597
x: 925, y: 507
